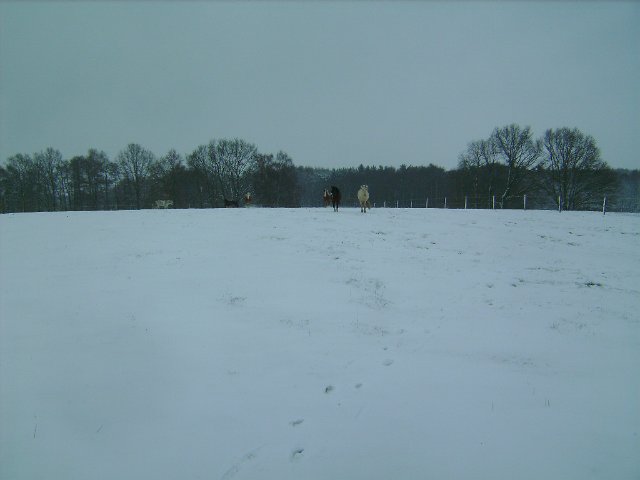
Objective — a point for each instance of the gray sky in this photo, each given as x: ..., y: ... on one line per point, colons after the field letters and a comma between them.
x: 333, y: 84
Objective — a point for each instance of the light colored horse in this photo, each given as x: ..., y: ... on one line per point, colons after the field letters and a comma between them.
x: 326, y: 198
x: 164, y: 203
x: 363, y: 198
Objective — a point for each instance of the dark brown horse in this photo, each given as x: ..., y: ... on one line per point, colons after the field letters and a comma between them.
x: 335, y: 198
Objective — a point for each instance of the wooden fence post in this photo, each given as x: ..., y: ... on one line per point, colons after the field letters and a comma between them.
x: 604, y: 205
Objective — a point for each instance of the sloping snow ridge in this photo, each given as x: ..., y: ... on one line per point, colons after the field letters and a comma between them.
x: 308, y: 344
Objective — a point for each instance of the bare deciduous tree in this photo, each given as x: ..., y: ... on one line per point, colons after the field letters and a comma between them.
x: 167, y: 174
x: 135, y: 165
x: 204, y: 164
x: 572, y: 168
x: 480, y: 161
x: 235, y: 159
x: 516, y: 147
x: 89, y: 179
x: 21, y: 179
x: 48, y: 164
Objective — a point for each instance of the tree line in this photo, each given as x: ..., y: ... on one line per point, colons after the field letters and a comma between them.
x: 136, y: 178
x: 562, y: 169
x: 564, y: 165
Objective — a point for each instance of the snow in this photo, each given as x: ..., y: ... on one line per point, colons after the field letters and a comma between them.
x: 307, y: 344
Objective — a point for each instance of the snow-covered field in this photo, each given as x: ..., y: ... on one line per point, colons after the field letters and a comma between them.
x: 305, y: 344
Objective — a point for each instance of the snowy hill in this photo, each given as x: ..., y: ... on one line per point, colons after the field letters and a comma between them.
x: 305, y: 344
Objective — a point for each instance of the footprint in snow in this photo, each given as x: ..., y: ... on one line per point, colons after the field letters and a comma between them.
x: 297, y: 454
x: 229, y: 474
x: 388, y: 362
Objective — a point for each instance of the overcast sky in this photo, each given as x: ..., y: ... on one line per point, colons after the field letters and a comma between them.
x: 333, y: 84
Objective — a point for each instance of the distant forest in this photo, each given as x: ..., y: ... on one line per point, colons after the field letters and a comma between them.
x: 509, y: 169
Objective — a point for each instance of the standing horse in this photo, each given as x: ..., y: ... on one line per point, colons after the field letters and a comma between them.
x: 335, y: 198
x: 326, y: 197
x: 363, y: 198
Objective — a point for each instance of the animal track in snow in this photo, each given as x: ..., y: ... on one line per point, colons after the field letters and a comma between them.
x: 297, y: 454
x: 234, y: 300
x: 299, y: 324
x: 236, y: 467
x: 373, y: 292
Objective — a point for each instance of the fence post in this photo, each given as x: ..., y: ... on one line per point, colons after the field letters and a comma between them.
x: 427, y: 206
x: 411, y: 203
x: 604, y: 205
x: 384, y: 204
x: 397, y: 203
x: 445, y: 202
x: 465, y: 202
x: 525, y: 201
x: 494, y: 202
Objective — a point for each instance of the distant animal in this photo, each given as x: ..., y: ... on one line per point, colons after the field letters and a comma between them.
x: 363, y: 198
x: 230, y: 203
x: 326, y: 197
x: 164, y: 203
x: 335, y: 198
x: 247, y: 198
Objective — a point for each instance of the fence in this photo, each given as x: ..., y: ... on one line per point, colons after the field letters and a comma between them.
x: 609, y: 203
